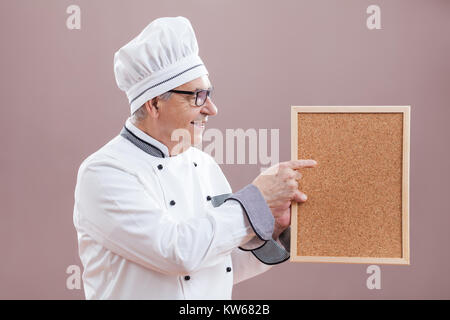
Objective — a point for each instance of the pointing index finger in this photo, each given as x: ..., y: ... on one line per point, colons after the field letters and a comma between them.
x: 297, y: 164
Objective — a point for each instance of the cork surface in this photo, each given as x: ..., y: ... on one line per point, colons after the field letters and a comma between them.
x: 354, y: 206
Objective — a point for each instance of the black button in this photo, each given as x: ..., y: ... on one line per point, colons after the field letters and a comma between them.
x: 228, y: 269
x: 195, y: 164
x: 187, y: 278
x: 172, y: 202
x: 160, y: 166
x: 208, y: 198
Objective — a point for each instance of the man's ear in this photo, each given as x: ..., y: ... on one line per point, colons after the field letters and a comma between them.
x: 154, y: 102
x: 152, y: 107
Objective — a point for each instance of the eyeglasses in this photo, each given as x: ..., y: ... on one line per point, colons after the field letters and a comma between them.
x: 200, y: 95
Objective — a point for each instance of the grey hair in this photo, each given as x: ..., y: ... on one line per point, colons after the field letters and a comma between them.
x: 141, y: 113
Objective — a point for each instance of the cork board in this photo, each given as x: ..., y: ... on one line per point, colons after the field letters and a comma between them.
x: 358, y: 196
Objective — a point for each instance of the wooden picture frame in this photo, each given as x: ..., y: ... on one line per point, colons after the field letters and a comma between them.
x: 358, y: 196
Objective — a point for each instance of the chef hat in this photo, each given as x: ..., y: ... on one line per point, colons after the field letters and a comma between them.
x: 162, y: 57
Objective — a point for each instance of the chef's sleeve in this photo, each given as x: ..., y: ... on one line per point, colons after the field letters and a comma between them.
x: 263, y: 247
x: 118, y: 212
x: 246, y: 263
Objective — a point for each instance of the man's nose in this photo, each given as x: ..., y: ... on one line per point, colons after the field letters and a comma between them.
x: 209, y: 107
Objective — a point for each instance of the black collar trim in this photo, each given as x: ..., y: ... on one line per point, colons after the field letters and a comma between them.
x: 141, y: 144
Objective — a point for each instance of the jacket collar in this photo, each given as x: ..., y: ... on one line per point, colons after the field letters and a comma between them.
x: 143, y: 141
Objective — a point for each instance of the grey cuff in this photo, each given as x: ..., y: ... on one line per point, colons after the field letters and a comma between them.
x: 257, y: 211
x: 271, y: 253
x: 255, y: 242
x: 274, y: 253
x: 261, y: 219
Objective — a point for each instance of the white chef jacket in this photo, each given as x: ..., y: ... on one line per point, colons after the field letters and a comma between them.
x: 146, y: 229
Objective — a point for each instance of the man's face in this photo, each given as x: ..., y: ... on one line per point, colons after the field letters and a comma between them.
x: 179, y: 116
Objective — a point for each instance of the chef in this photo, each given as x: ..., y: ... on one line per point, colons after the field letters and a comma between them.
x: 155, y: 216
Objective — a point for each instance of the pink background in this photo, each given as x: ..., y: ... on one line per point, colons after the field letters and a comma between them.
x: 60, y: 103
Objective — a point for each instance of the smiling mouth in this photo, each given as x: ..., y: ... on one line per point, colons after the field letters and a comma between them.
x: 199, y: 124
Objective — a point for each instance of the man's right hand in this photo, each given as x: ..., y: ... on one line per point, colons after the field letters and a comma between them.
x: 279, y: 187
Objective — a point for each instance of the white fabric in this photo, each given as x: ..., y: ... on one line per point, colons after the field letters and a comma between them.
x: 162, y: 57
x: 134, y: 245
